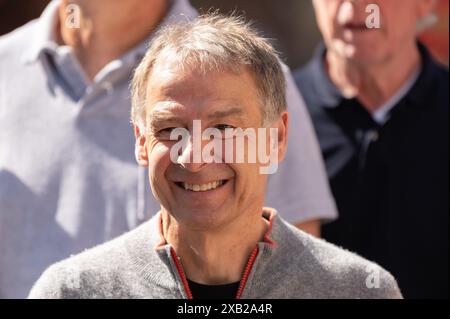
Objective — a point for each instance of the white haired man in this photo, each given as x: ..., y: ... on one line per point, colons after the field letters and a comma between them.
x: 379, y: 103
x: 212, y: 238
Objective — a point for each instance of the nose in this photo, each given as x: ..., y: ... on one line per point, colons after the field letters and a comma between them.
x: 358, y: 3
x: 352, y: 10
x: 346, y: 11
x: 354, y: 1
x: 190, y: 156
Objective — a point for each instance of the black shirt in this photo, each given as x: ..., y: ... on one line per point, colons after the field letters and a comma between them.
x: 391, y: 181
x: 200, y: 291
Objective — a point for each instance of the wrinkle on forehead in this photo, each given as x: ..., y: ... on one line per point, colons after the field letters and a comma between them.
x: 172, y: 111
x: 175, y: 95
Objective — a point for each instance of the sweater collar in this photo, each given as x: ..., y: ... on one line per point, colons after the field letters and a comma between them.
x: 156, y: 261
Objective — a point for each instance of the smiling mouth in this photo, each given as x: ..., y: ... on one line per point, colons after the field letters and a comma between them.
x: 201, y: 187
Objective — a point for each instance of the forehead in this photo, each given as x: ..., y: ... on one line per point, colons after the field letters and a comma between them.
x: 196, y: 93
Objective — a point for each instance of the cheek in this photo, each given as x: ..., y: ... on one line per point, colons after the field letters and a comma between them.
x: 326, y: 14
x: 159, y: 161
x: 248, y: 182
x: 399, y: 19
x: 158, y: 153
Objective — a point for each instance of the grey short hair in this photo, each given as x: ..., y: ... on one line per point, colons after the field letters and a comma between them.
x: 426, y: 22
x: 209, y: 43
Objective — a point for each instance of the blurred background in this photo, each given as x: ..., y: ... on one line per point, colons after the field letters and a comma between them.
x: 291, y: 25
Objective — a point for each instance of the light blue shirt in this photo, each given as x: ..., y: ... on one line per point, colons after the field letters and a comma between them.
x: 68, y: 177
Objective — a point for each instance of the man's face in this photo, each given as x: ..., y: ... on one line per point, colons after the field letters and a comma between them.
x: 220, y: 100
x: 343, y: 26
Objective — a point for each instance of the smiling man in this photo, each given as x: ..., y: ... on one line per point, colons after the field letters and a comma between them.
x: 82, y: 190
x: 212, y: 238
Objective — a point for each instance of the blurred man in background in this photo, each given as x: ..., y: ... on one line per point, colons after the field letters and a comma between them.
x: 379, y: 103
x: 68, y: 179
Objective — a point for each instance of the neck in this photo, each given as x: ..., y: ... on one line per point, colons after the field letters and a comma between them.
x: 215, y: 257
x: 373, y: 84
x: 107, y: 29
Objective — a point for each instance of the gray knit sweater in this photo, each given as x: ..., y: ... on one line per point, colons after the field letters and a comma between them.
x: 288, y: 264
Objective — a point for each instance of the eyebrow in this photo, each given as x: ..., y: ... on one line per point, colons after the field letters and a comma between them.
x: 225, y: 113
x: 163, y: 115
x: 156, y: 116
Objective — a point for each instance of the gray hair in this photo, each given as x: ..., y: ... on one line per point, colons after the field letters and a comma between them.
x: 426, y: 22
x: 209, y: 43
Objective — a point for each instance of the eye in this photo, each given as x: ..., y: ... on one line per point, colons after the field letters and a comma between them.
x: 223, y: 127
x: 166, y: 130
x: 164, y: 134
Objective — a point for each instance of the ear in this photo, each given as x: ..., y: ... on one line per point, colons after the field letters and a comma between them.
x: 283, y: 125
x: 140, y: 148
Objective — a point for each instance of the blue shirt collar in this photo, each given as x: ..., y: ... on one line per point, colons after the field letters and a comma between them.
x: 45, y: 36
x: 328, y: 94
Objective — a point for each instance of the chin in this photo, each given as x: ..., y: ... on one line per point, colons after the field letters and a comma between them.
x: 202, y: 218
x: 363, y: 56
x: 361, y: 53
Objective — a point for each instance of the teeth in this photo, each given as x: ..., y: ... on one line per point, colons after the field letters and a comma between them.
x: 203, y: 187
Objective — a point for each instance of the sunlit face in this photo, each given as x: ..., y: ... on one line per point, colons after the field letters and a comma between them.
x: 220, y: 100
x: 343, y: 26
